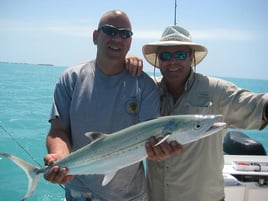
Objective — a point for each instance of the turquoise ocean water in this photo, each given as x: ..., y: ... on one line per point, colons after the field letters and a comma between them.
x: 25, y: 98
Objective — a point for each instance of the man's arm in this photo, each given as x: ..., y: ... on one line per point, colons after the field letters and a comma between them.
x: 265, y: 116
x: 265, y: 111
x: 58, y: 146
x: 134, y: 65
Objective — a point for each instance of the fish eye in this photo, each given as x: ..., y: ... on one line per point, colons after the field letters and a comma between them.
x: 197, y: 126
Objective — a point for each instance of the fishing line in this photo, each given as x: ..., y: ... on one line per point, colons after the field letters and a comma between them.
x: 20, y: 145
x: 24, y: 149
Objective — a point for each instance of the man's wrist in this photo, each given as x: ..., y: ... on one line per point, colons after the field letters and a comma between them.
x: 266, y: 112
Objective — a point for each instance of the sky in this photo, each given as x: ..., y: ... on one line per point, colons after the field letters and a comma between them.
x: 59, y: 32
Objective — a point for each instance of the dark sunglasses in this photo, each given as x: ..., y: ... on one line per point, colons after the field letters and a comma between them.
x: 178, y: 56
x: 112, y: 31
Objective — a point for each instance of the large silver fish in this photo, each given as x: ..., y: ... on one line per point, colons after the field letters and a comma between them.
x: 107, y: 154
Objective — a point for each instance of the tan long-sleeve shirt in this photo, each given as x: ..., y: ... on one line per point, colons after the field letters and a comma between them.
x: 196, y: 174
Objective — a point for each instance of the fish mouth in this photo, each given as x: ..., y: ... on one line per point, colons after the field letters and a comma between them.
x: 216, y: 127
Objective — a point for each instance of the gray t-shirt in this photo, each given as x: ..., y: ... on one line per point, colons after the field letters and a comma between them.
x: 87, y: 100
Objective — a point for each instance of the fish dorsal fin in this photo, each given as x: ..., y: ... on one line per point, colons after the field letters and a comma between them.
x: 107, y: 178
x: 94, y: 136
x: 161, y: 141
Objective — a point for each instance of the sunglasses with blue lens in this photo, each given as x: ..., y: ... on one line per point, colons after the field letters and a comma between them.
x: 178, y: 56
x: 113, y: 31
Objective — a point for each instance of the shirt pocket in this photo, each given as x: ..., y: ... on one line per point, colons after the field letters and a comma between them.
x: 204, y: 108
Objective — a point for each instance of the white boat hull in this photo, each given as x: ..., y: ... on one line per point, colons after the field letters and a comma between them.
x: 244, y: 191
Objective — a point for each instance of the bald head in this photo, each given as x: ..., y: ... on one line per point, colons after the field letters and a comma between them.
x: 116, y: 18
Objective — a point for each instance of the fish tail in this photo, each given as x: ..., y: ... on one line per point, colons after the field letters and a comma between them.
x: 31, y: 171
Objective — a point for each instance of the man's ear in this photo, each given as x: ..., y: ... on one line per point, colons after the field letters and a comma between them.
x: 95, y: 36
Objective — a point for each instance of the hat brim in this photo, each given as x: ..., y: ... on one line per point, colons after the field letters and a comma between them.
x: 150, y: 51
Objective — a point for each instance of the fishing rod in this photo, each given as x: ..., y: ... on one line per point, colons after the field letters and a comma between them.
x: 175, y: 13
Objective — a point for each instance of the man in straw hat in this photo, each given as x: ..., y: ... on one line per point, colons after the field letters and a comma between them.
x: 196, y: 174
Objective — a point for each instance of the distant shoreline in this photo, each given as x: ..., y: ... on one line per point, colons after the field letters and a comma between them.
x: 6, y: 62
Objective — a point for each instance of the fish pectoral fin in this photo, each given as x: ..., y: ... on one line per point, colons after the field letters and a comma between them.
x: 161, y: 141
x: 93, y: 136
x: 107, y: 178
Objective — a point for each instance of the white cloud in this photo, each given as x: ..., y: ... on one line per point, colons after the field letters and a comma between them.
x: 154, y: 35
x: 83, y: 30
x: 207, y: 34
x: 223, y: 34
x: 80, y: 31
x: 52, y: 27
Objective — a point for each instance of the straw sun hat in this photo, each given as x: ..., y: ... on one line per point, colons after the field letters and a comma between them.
x: 173, y: 36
